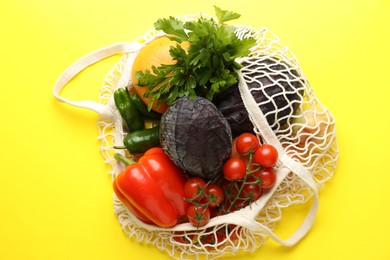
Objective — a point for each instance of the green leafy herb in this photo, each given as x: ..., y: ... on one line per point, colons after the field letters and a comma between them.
x: 206, y: 68
x: 225, y: 16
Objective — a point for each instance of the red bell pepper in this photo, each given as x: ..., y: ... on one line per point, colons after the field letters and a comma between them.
x: 153, y: 189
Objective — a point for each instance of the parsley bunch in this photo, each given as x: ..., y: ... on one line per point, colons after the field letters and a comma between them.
x: 206, y: 68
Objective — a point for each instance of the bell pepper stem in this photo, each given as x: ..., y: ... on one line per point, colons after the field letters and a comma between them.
x: 123, y: 159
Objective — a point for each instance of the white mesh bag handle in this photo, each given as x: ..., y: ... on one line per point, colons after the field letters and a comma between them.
x: 109, y: 117
x: 289, y: 165
x: 83, y: 63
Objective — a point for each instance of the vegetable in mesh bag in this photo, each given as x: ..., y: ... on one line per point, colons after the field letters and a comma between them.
x: 196, y: 137
x: 278, y: 89
x: 152, y: 188
x: 305, y: 141
x: 205, y: 66
x: 267, y: 66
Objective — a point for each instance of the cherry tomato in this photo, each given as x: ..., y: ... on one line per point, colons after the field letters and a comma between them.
x: 268, y: 178
x: 193, y: 189
x: 245, y: 158
x: 266, y: 155
x: 234, y: 169
x: 198, y: 216
x: 251, y: 191
x: 214, y: 195
x: 246, y: 142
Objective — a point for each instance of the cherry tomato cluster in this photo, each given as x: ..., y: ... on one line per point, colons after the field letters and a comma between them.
x: 248, y: 172
x: 204, y: 198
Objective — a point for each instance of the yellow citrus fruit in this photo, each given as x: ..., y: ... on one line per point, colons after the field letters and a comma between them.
x: 155, y: 53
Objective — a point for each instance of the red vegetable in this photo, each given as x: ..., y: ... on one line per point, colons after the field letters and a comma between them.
x: 247, y: 142
x: 266, y: 155
x: 251, y: 190
x: 153, y: 189
x: 193, y: 189
x: 214, y: 196
x: 234, y: 169
x: 268, y: 178
x: 130, y: 206
x: 198, y: 216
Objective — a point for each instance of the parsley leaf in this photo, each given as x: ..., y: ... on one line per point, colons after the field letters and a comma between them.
x: 206, y: 68
x: 224, y: 16
x: 171, y: 26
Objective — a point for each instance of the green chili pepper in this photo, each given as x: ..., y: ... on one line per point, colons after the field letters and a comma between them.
x: 143, y: 109
x: 141, y: 140
x: 129, y: 112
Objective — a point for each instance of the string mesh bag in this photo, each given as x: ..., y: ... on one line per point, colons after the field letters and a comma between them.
x: 282, y: 110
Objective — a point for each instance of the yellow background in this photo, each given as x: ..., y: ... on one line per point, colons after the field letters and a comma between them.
x: 55, y: 193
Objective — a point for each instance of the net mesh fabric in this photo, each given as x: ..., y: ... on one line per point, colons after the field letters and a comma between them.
x: 307, y: 135
x: 303, y: 127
